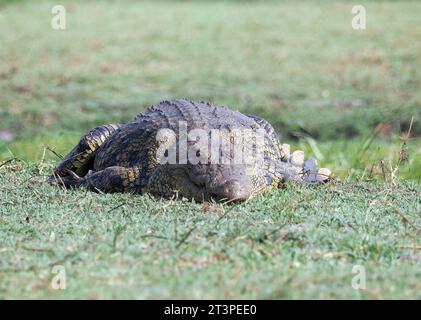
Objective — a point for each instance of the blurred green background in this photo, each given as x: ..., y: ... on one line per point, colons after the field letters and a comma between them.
x: 346, y: 96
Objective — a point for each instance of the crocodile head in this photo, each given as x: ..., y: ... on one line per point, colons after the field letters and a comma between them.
x: 217, y: 182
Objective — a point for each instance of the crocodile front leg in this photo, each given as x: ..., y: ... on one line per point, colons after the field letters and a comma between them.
x: 79, y: 159
x: 109, y: 180
x: 293, y: 167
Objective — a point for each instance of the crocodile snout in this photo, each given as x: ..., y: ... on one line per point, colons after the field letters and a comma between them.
x: 231, y: 190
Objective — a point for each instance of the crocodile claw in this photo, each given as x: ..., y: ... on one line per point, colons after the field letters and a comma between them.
x: 308, y: 169
x: 297, y: 158
x: 68, y: 181
x: 324, y: 175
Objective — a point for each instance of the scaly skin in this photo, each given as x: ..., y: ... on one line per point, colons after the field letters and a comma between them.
x: 126, y: 158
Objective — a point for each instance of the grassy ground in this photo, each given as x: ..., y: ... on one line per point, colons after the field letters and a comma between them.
x: 293, y: 243
x: 346, y: 97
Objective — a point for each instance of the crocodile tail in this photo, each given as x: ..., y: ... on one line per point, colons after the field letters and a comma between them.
x: 308, y: 170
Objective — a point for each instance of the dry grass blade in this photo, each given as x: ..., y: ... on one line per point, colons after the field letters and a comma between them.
x: 185, y: 237
x: 54, y: 152
x: 410, y: 246
x: 402, y: 215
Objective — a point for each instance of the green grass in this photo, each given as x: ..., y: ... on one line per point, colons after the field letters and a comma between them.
x: 315, y: 74
x: 346, y: 97
x: 292, y: 243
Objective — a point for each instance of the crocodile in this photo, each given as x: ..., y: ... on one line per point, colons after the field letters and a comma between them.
x: 186, y: 149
